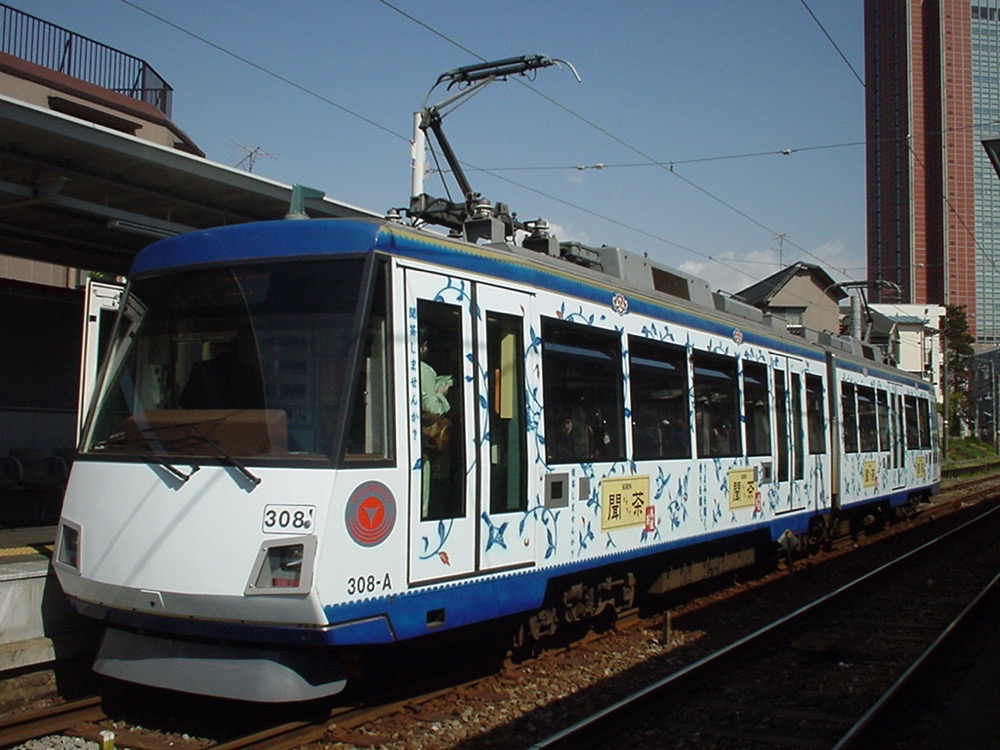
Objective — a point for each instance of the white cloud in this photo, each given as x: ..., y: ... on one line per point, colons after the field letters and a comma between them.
x: 841, y: 262
x: 731, y: 271
x: 561, y: 232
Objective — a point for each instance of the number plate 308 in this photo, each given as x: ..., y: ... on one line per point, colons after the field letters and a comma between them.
x: 284, y: 519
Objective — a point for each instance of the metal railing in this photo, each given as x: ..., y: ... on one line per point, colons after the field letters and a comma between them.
x: 43, y: 43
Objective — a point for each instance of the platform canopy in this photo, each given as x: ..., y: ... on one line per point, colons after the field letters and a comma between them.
x: 81, y: 195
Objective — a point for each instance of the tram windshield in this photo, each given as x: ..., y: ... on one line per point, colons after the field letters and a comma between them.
x: 246, y: 361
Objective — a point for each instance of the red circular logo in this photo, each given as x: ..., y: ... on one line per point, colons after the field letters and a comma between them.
x: 370, y: 514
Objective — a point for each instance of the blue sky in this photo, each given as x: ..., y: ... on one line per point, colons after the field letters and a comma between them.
x: 326, y: 90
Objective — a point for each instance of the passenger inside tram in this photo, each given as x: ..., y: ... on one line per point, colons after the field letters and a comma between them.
x: 229, y: 379
x: 442, y: 452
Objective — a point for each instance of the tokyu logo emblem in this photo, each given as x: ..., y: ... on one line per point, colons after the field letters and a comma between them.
x: 370, y: 514
x: 620, y: 304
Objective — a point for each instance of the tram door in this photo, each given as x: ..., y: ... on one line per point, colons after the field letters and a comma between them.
x: 100, y: 306
x: 789, y: 417
x: 465, y: 351
x: 897, y: 441
x: 506, y: 535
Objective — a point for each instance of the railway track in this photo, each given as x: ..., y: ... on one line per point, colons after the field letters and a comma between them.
x: 819, y: 676
x: 351, y: 726
x: 85, y: 720
x: 20, y: 728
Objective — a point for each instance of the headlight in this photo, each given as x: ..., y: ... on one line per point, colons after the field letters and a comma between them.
x: 283, y: 566
x: 68, y: 546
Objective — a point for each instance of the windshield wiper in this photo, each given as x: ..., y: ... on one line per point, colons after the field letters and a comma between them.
x: 170, y: 467
x: 231, y: 459
x: 149, y: 437
x: 118, y: 440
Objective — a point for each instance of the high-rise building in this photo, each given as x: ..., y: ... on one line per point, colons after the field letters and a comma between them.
x: 932, y: 89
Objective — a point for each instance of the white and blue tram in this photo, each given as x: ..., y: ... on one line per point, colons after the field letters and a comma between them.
x: 318, y: 435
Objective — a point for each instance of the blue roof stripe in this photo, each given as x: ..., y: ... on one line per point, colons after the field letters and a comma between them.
x: 883, y: 372
x: 299, y: 238
x: 496, y: 263
x: 258, y: 241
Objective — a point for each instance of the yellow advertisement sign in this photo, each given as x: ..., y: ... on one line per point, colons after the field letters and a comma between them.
x: 742, y: 488
x: 624, y: 501
x: 869, y: 471
x: 920, y: 467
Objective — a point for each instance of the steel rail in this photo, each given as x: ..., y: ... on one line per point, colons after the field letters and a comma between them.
x: 20, y: 728
x: 716, y: 657
x: 855, y: 732
x: 282, y: 737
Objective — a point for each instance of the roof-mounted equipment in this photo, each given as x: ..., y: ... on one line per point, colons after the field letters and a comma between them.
x: 473, y: 215
x: 541, y: 240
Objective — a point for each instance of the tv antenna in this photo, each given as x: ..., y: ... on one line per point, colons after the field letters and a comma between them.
x: 781, y: 237
x: 248, y: 162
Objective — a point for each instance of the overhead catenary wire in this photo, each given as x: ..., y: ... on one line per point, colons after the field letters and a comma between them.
x: 667, y: 166
x: 399, y: 136
x: 652, y: 161
x: 268, y: 72
x: 669, y: 163
x: 835, y: 45
x: 670, y: 166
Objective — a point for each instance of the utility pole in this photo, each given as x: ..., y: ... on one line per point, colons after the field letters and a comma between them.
x: 859, y: 301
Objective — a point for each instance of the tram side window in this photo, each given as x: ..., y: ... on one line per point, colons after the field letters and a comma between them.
x: 716, y: 405
x: 882, y: 409
x: 924, y: 415
x: 756, y: 409
x: 658, y: 377
x: 439, y: 330
x: 508, y: 441
x: 912, y: 427
x: 866, y: 418
x: 781, y: 415
x: 583, y: 393
x: 815, y: 414
x: 850, y: 424
x: 798, y: 439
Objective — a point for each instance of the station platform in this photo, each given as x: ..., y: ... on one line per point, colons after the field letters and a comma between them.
x: 37, y: 624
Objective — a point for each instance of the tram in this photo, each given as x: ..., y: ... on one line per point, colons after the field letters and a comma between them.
x: 310, y: 437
